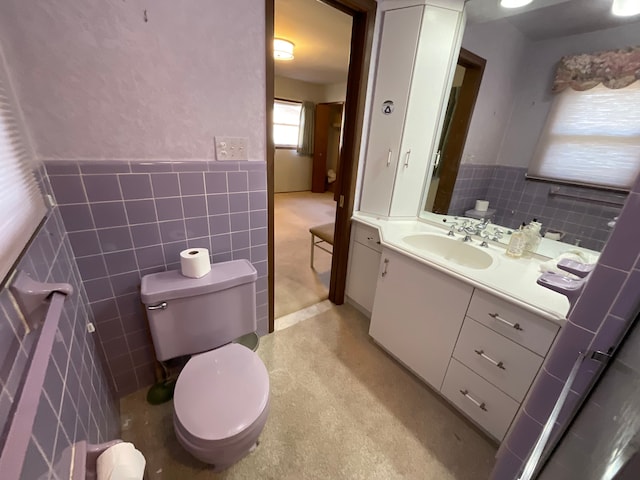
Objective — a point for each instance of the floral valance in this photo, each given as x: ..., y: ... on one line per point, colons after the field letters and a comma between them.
x: 614, y: 69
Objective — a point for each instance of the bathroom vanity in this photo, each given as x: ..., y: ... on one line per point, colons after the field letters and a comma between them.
x: 468, y: 320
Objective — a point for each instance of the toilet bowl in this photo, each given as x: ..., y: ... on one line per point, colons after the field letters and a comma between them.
x: 221, y: 397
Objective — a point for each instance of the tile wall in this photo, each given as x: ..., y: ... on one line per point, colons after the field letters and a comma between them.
x: 127, y: 219
x: 609, y: 302
x: 76, y: 402
x: 519, y: 200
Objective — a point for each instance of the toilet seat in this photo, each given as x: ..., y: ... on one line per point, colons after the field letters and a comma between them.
x: 221, y: 396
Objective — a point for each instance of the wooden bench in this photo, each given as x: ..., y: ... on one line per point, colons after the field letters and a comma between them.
x: 324, y: 233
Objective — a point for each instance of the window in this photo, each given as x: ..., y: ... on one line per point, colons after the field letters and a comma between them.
x: 286, y: 123
x: 591, y: 137
x: 21, y: 204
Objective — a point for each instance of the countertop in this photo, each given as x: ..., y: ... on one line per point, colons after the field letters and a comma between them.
x: 511, y: 279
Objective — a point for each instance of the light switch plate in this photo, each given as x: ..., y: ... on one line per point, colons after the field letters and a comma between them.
x: 231, y: 148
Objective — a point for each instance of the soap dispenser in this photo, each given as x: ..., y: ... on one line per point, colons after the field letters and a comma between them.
x: 517, y: 243
x: 533, y: 236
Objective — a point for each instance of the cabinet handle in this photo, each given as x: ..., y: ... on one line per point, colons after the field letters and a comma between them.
x: 506, y: 322
x: 406, y: 158
x: 389, y: 158
x: 489, y: 359
x: 478, y: 404
x: 386, y: 264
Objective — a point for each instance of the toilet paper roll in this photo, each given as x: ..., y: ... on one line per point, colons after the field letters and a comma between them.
x: 482, y: 205
x: 121, y: 462
x: 194, y: 262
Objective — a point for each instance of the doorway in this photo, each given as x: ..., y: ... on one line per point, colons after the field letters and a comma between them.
x: 362, y: 13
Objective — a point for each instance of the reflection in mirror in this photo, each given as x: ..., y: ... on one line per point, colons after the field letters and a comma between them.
x: 522, y: 52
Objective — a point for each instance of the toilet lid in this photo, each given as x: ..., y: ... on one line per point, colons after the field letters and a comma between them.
x: 222, y: 392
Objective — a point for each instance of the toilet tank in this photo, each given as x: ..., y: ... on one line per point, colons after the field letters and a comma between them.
x: 193, y: 315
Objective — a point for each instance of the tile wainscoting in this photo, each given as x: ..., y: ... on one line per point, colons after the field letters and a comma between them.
x: 128, y: 219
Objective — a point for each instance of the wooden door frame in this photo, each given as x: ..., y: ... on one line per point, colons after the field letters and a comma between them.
x: 460, y: 123
x: 363, y: 13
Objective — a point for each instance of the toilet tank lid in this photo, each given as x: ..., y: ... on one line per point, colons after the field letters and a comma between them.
x: 158, y: 287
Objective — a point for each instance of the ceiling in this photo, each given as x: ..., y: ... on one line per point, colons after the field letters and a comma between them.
x: 322, y: 37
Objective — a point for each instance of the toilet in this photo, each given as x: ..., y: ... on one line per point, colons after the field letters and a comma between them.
x: 221, y: 398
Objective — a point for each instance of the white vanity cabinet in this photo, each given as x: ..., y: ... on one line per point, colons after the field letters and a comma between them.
x: 364, y: 259
x: 418, y: 50
x: 417, y: 314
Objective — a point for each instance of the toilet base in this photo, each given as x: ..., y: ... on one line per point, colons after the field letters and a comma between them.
x: 222, y: 454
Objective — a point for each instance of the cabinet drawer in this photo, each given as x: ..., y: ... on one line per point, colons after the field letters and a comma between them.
x: 482, y: 402
x: 497, y: 359
x: 519, y: 325
x: 368, y: 236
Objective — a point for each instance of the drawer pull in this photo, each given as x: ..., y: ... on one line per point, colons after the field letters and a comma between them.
x: 386, y: 264
x: 489, y: 359
x: 506, y: 322
x: 389, y: 158
x: 478, y: 404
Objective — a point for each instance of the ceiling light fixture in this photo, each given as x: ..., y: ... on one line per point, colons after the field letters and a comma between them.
x: 625, y: 8
x: 282, y: 49
x: 514, y: 3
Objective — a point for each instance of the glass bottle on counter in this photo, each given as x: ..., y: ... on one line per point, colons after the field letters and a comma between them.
x: 517, y: 243
x: 533, y: 236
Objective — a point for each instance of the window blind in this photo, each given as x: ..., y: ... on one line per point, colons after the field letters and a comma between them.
x: 591, y: 137
x: 21, y: 204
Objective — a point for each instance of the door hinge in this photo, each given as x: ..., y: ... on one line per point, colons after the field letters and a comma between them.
x: 341, y: 201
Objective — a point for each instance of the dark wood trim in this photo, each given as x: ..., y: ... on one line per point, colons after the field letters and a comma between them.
x: 270, y: 93
x: 452, y: 151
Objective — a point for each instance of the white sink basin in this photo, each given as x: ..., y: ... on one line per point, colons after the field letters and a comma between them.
x: 453, y: 250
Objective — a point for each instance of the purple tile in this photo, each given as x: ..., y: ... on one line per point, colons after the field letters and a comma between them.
x: 142, y: 356
x: 120, y: 262
x: 165, y: 184
x: 222, y: 257
x: 191, y: 183
x: 141, y: 211
x: 150, y: 256
x: 172, y: 252
x: 115, y: 349
x: 126, y: 383
x: 262, y: 284
x: 135, y: 186
x: 244, y: 253
x: 146, y: 375
x: 240, y: 240
x: 598, y: 296
x: 237, y: 181
x: 217, y: 204
x: 543, y: 396
x: 109, y: 214
x: 216, y: 182
x: 221, y: 243
x: 219, y: 224
x: 239, y: 221
x: 135, y: 322
x: 507, y: 467
x: 98, y: 289
x: 202, y: 242
x: 104, y: 310
x: 91, y: 267
x: 121, y: 363
x: 172, y: 231
x: 169, y: 208
x: 259, y: 236
x: 125, y: 283
x: 45, y: 426
x: 85, y: 243
x: 261, y: 267
x: 571, y: 340
x: 259, y: 253
x: 238, y: 202
x: 76, y: 217
x: 138, y: 339
x: 145, y: 235
x: 56, y: 167
x: 130, y: 304
x: 253, y: 165
x: 258, y: 200
x: 197, y: 227
x: 258, y: 218
x: 199, y: 166
x: 34, y: 465
x: 194, y: 206
x: 68, y: 189
x: 53, y: 385
x: 150, y: 167
x: 114, y: 239
x: 621, y: 249
x: 224, y: 166
x: 627, y: 303
x: 102, y: 188
x: 110, y: 330
x: 97, y: 166
x: 257, y: 180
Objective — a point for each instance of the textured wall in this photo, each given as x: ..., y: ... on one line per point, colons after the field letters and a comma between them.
x: 127, y: 219
x: 97, y: 81
x: 76, y: 402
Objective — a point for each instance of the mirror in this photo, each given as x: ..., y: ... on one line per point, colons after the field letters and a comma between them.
x: 489, y: 160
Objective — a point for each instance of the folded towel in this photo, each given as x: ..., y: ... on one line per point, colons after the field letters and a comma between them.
x: 576, y: 255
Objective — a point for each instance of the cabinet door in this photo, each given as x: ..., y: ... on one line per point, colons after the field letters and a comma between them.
x: 436, y: 59
x: 398, y: 44
x: 417, y: 314
x: 363, y: 272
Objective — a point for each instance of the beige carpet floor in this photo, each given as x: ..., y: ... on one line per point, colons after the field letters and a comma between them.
x: 296, y: 285
x: 341, y: 408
